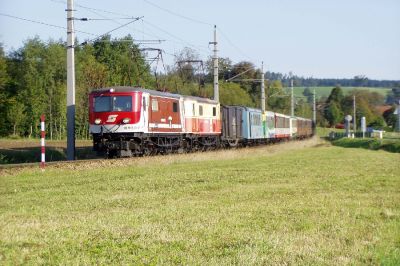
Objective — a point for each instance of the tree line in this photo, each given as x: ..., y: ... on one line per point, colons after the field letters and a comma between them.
x: 33, y: 82
x: 356, y: 81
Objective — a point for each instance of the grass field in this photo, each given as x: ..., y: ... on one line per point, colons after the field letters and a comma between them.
x: 28, y: 150
x: 297, y: 203
x: 325, y: 91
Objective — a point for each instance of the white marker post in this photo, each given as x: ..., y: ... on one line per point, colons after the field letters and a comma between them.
x: 348, y: 118
x: 363, y: 126
x: 42, y: 136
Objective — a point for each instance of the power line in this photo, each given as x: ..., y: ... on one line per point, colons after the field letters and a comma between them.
x: 108, y: 32
x: 95, y: 10
x: 91, y: 8
x: 233, y: 45
x: 203, y: 49
x: 42, y: 23
x: 178, y: 15
x: 176, y: 37
x: 115, y: 21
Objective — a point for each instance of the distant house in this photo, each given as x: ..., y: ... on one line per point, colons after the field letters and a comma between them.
x: 382, y: 108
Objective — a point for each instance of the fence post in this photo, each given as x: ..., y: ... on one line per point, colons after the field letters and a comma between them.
x: 42, y: 136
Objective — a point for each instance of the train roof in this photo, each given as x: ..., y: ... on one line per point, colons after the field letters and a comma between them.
x: 154, y: 92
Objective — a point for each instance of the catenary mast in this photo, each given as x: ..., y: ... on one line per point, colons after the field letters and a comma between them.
x: 70, y: 81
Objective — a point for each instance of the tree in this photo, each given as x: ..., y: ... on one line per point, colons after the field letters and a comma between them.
x: 366, y: 103
x: 186, y: 66
x: 15, y: 114
x: 4, y: 78
x: 360, y: 80
x: 333, y: 114
x: 232, y: 94
x: 333, y: 111
x: 32, y: 85
x: 303, y: 109
x: 310, y: 95
x: 224, y: 67
x: 277, y: 99
x: 336, y: 95
x: 390, y: 117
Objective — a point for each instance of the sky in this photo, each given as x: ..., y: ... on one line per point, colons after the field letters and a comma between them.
x: 322, y: 39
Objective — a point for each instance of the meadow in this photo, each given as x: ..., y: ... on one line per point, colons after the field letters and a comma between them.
x: 325, y: 91
x: 297, y: 203
x: 24, y: 150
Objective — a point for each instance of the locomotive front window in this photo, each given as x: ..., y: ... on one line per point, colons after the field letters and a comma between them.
x: 102, y: 104
x: 113, y: 103
x: 122, y: 103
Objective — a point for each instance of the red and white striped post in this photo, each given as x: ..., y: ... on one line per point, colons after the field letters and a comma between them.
x: 42, y: 136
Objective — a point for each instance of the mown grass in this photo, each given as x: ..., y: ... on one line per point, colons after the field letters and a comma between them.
x: 316, y: 205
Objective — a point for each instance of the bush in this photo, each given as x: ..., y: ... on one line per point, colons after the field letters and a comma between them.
x: 368, y: 143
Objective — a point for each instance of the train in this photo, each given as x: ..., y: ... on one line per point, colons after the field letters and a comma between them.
x: 134, y: 121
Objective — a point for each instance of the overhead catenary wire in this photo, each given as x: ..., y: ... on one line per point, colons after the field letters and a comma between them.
x: 234, y: 46
x: 146, y: 24
x: 117, y: 22
x: 181, y: 41
x: 178, y: 15
x: 94, y: 19
x: 91, y: 8
x: 178, y: 38
x: 108, y: 32
x: 43, y: 23
x: 97, y: 10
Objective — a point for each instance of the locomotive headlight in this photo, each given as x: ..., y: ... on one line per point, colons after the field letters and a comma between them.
x: 126, y: 120
x: 97, y: 121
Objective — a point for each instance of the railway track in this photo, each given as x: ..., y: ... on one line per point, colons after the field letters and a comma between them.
x: 217, y: 154
x: 53, y: 163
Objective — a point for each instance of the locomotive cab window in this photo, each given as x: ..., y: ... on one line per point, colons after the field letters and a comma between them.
x: 175, y: 107
x: 214, y: 111
x: 200, y: 110
x: 102, y: 104
x: 114, y: 103
x: 122, y: 103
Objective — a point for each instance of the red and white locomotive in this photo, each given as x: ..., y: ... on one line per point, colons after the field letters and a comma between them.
x: 127, y: 121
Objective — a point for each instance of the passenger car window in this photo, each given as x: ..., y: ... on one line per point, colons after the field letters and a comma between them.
x: 154, y: 105
x: 175, y: 107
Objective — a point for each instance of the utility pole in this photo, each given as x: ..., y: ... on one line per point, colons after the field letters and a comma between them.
x: 70, y: 81
x: 398, y: 117
x: 354, y: 114
x: 215, y: 60
x: 291, y: 95
x: 314, y: 113
x: 262, y: 88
